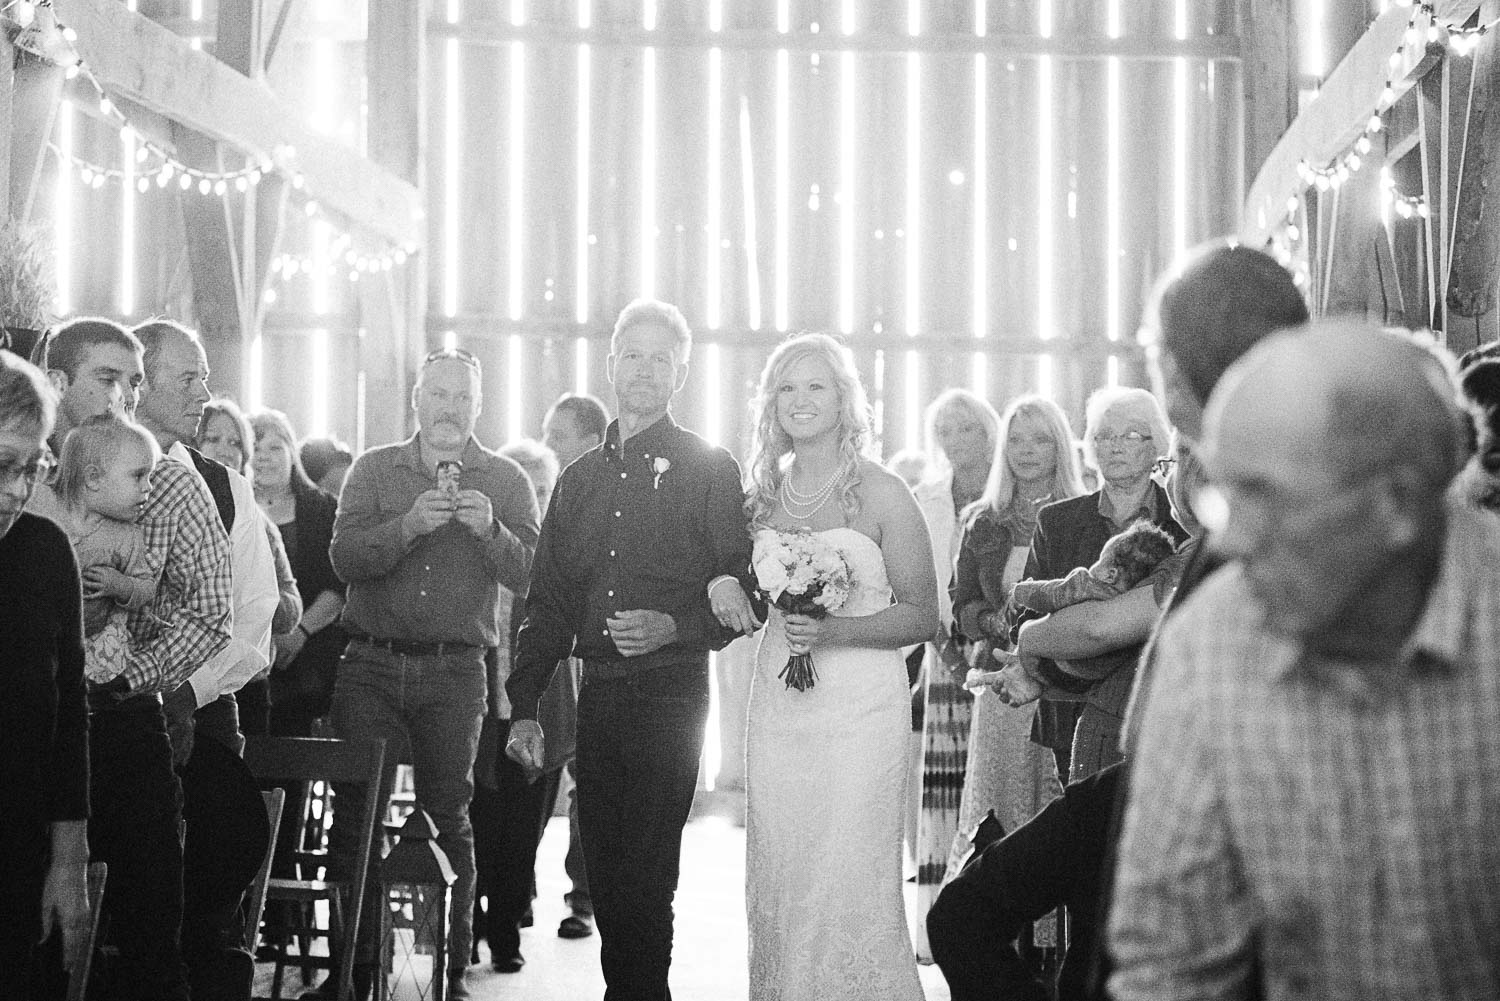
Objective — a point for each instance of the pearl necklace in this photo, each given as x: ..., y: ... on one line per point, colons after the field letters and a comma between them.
x: 812, y: 503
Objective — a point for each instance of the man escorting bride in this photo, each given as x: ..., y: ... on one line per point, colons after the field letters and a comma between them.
x: 826, y: 766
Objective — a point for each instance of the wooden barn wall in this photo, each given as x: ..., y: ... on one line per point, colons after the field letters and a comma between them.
x: 526, y: 322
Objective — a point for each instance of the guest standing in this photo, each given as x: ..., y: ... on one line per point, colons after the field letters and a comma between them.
x: 576, y: 423
x: 962, y: 435
x: 43, y: 717
x: 1034, y: 466
x: 638, y: 535
x: 224, y: 436
x: 425, y: 568
x: 1126, y: 433
x: 307, y: 657
x: 1312, y: 807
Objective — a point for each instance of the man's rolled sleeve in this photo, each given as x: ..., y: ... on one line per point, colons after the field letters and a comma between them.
x: 366, y: 545
x: 512, y: 545
x: 1180, y: 922
x: 546, y: 635
x: 728, y: 536
x: 191, y: 618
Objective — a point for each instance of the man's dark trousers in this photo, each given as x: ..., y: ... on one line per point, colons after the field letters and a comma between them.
x: 136, y: 807
x: 640, y: 738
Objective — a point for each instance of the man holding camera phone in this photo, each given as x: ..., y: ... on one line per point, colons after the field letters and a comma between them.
x: 428, y: 530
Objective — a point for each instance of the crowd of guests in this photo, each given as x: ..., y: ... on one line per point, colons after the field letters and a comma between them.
x: 1222, y: 669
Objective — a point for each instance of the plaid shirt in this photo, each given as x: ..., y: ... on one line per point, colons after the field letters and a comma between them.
x: 1335, y: 825
x: 190, y: 619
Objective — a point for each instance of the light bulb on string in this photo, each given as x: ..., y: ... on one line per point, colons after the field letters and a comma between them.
x: 1375, y: 124
x: 23, y: 13
x: 143, y: 185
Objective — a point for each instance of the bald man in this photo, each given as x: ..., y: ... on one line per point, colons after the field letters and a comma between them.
x: 1316, y: 787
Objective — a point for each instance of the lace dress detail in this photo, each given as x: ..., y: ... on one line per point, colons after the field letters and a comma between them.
x: 825, y: 784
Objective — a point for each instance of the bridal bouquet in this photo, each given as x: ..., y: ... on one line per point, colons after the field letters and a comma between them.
x: 800, y: 574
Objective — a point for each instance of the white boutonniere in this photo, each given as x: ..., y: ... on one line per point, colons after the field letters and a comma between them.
x: 661, y: 465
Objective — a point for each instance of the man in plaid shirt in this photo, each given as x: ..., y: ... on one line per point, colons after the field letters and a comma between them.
x: 1316, y: 788
x: 135, y: 796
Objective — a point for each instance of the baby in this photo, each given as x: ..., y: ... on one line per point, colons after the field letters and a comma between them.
x: 1124, y: 562
x: 103, y: 481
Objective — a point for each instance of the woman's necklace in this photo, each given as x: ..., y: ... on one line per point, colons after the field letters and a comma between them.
x: 802, y: 498
x: 812, y: 503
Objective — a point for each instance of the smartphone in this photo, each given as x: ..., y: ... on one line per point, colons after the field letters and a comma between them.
x: 450, y: 473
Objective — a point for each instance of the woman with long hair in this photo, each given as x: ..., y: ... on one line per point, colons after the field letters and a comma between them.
x: 962, y: 434
x: 1035, y: 465
x: 307, y: 657
x: 224, y: 435
x: 825, y: 767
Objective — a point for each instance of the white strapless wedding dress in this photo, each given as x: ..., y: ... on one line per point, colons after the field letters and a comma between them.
x: 825, y: 783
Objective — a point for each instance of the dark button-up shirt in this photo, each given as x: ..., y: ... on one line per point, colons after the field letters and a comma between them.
x: 646, y: 523
x: 442, y: 587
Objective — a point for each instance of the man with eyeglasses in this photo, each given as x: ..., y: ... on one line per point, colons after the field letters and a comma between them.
x: 425, y: 563
x: 1314, y: 801
x: 97, y: 367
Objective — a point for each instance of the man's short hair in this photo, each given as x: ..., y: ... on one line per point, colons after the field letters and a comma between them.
x: 27, y: 400
x: 1221, y: 302
x: 587, y: 413
x: 154, y: 334
x: 654, y: 311
x: 64, y: 348
x: 321, y: 454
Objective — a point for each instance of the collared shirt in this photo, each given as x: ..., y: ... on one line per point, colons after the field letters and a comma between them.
x: 191, y: 618
x: 1146, y: 510
x: 1334, y: 824
x: 442, y: 587
x: 253, y: 585
x: 645, y: 523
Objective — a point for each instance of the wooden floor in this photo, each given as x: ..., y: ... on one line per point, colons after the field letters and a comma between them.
x: 708, y: 961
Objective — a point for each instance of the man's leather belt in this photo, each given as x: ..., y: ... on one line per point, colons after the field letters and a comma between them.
x: 413, y: 648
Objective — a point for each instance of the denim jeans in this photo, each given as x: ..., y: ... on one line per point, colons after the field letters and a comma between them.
x: 639, y: 741
x: 428, y: 709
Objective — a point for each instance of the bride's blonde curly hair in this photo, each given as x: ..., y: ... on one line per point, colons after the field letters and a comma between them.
x: 770, y: 444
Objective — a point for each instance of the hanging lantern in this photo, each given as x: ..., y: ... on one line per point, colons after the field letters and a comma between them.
x: 416, y: 882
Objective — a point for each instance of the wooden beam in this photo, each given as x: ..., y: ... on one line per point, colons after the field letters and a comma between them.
x: 1337, y: 116
x: 137, y: 58
x: 491, y: 30
x: 1270, y: 94
x: 34, y: 92
x: 1476, y: 228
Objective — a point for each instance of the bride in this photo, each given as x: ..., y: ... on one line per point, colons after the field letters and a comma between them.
x: 826, y: 767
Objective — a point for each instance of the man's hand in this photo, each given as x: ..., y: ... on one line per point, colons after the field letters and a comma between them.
x: 732, y: 608
x: 180, y: 706
x: 429, y: 512
x: 65, y: 897
x: 103, y: 581
x: 288, y: 646
x: 475, y: 512
x: 527, y: 746
x: 641, y: 630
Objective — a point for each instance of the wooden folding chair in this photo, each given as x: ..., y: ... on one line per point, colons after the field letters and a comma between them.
x: 354, y: 763
x: 78, y: 980
x: 255, y: 896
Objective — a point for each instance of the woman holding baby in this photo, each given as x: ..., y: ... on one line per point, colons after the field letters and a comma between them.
x: 1125, y: 437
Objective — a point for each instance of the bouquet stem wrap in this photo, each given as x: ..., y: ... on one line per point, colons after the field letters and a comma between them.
x: 801, y: 574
